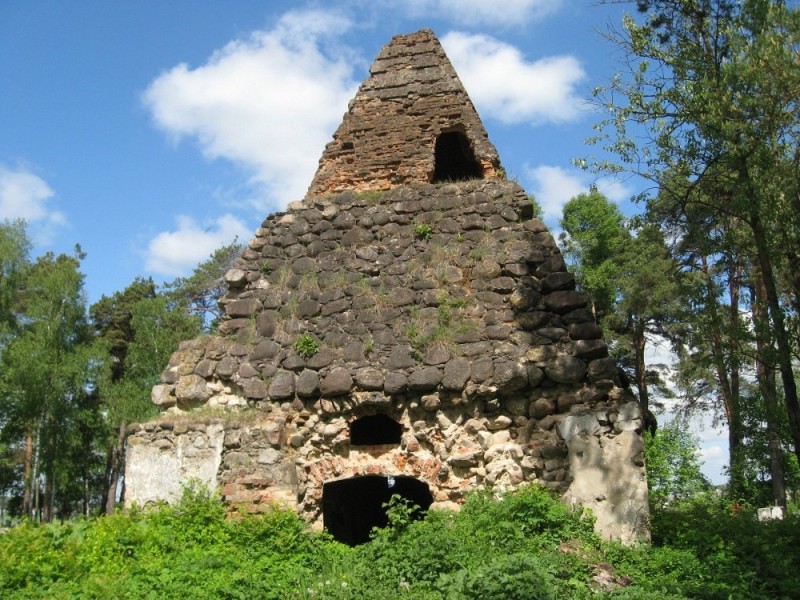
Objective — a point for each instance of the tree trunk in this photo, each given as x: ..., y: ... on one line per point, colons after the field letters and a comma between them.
x: 27, y: 506
x: 734, y: 353
x: 116, y: 464
x: 36, y: 488
x: 108, y: 474
x: 727, y: 380
x: 639, y: 365
x: 640, y: 373
x: 765, y: 375
x: 793, y: 259
x: 779, y: 330
x: 49, y: 468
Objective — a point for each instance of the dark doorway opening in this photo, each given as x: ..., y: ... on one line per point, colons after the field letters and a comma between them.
x: 454, y: 159
x: 375, y: 429
x: 352, y: 507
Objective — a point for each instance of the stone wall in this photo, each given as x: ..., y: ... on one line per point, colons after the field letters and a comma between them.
x: 161, y: 457
x: 447, y: 308
x: 593, y: 458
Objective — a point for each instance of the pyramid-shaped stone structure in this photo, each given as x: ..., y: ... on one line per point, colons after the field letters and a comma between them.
x: 409, y: 327
x: 411, y: 103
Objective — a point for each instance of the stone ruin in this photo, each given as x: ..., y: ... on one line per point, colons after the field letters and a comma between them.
x: 409, y: 328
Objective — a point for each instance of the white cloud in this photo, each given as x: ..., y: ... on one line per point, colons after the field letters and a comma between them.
x: 714, y: 461
x: 614, y: 189
x: 175, y: 253
x: 711, y: 452
x: 24, y: 195
x: 507, y: 87
x: 268, y: 103
x: 555, y: 186
x: 659, y: 351
x: 481, y: 12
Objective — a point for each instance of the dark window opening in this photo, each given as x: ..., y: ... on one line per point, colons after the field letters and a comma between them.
x: 374, y: 430
x: 454, y: 159
x: 352, y: 507
x: 347, y: 146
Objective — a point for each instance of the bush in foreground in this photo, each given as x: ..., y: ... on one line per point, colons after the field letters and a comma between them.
x: 527, y: 546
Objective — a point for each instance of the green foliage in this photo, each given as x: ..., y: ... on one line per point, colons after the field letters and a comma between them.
x: 200, y: 292
x: 731, y: 552
x: 423, y: 231
x: 369, y: 344
x: 307, y: 345
x: 14, y: 262
x: 48, y: 371
x: 137, y: 329
x: 438, y: 556
x: 111, y: 318
x: 755, y: 455
x: 189, y: 550
x: 707, y: 110
x: 142, y: 331
x: 72, y: 378
x: 537, y: 208
x: 630, y: 278
x: 673, y: 466
x: 507, y: 577
x: 594, y: 233
x: 527, y: 545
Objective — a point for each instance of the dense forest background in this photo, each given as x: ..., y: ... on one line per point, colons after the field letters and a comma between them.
x: 75, y: 376
x: 705, y: 109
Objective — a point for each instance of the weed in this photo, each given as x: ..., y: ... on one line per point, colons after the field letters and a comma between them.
x: 423, y: 231
x: 289, y: 309
x: 307, y: 345
x: 537, y: 208
x: 309, y: 282
x: 280, y: 276
x: 478, y: 252
x: 370, y: 195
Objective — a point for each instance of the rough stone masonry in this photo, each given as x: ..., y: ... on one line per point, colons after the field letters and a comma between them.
x: 409, y: 326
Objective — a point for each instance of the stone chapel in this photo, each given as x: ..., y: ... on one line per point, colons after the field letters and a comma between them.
x: 409, y: 328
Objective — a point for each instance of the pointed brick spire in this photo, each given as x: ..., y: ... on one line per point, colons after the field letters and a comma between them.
x: 410, y: 122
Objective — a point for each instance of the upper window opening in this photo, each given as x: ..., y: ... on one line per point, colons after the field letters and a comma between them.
x: 374, y: 430
x: 454, y: 159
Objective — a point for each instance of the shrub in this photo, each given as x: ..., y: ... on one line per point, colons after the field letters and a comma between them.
x: 527, y: 545
x: 740, y: 554
x: 307, y: 345
x: 423, y: 231
x: 510, y: 577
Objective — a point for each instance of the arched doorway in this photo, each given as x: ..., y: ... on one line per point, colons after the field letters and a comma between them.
x: 352, y: 507
x: 375, y: 430
x: 454, y: 159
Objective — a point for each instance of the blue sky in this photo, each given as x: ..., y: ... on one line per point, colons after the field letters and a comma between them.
x: 152, y: 132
